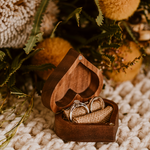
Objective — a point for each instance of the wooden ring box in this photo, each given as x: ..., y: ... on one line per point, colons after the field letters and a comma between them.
x: 75, y: 78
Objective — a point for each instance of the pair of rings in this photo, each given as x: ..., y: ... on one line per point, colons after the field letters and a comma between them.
x: 77, y: 103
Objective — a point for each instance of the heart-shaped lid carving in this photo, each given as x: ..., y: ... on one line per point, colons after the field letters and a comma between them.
x: 74, y: 78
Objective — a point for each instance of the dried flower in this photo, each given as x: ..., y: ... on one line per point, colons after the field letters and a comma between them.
x: 54, y: 51
x: 129, y: 67
x: 16, y: 20
x: 118, y: 9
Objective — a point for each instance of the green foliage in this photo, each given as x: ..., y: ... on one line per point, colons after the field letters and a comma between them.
x: 30, y: 43
x: 112, y: 45
x: 95, y: 33
x: 12, y: 80
x: 2, y: 65
x: 39, y: 67
x: 89, y: 17
x: 10, y: 134
x: 78, y: 15
x: 110, y: 57
x: 15, y: 65
x: 129, y: 31
x: 8, y: 53
x: 36, y: 34
x: 2, y: 55
x: 108, y: 31
x: 76, y: 12
x: 14, y: 90
x: 53, y: 32
x: 99, y: 19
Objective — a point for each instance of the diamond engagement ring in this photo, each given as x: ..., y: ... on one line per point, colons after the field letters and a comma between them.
x: 76, y: 104
x: 97, y: 98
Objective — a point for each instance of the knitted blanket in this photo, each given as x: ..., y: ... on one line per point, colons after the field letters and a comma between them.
x: 133, y: 99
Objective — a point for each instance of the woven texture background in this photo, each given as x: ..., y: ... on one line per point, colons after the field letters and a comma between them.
x: 133, y: 99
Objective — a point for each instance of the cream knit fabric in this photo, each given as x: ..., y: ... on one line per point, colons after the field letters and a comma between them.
x: 133, y: 99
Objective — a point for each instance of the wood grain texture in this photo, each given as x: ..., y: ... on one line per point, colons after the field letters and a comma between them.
x: 74, y: 78
x: 93, y: 132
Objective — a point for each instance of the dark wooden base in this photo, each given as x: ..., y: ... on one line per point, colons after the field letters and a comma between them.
x: 97, y: 132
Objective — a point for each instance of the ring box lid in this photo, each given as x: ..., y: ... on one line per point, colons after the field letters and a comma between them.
x: 74, y: 78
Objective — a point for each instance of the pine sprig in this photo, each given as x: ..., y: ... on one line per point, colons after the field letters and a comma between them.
x: 36, y: 34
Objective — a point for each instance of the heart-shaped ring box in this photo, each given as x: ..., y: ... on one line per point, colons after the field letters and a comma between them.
x: 75, y: 78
